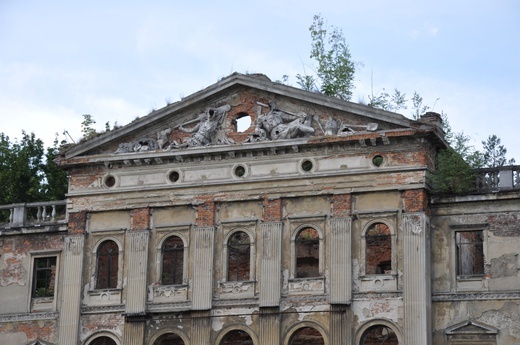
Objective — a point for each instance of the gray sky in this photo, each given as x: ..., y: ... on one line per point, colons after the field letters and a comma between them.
x: 118, y: 60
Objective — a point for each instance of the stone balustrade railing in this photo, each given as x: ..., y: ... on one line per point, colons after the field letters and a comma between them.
x: 498, y: 179
x: 33, y: 214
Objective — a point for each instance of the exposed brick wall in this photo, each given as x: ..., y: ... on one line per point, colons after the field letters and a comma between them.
x: 206, y: 213
x: 504, y: 225
x: 83, y: 177
x: 140, y: 219
x: 341, y: 205
x: 42, y: 330
x: 272, y: 210
x: 77, y: 222
x: 415, y: 200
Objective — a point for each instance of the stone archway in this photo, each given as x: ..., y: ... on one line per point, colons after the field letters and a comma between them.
x: 237, y: 337
x: 307, y: 336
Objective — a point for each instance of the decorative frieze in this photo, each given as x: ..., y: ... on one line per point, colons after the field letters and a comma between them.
x: 242, y: 289
x: 305, y: 286
x: 168, y: 293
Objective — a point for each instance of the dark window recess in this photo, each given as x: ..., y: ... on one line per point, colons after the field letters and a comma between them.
x: 169, y: 339
x: 378, y: 249
x: 110, y: 181
x: 103, y: 341
x: 107, y: 265
x: 379, y: 335
x: 470, y: 253
x: 237, y: 337
x: 307, y: 245
x: 44, y: 277
x: 172, y: 261
x: 307, y: 336
x: 239, y: 257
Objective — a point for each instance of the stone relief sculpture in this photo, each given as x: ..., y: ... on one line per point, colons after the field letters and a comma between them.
x: 274, y: 124
x: 280, y: 124
x: 207, y: 130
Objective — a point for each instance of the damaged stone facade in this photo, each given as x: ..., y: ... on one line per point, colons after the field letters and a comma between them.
x: 314, y: 225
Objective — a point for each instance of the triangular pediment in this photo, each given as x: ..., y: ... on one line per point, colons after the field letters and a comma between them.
x: 277, y: 112
x: 471, y: 327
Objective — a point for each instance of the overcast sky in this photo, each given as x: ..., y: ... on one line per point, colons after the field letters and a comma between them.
x: 62, y: 59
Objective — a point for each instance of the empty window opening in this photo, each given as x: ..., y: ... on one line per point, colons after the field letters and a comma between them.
x: 169, y: 339
x: 242, y: 122
x: 379, y: 335
x: 44, y: 277
x: 470, y: 253
x: 307, y: 246
x: 306, y: 336
x: 378, y: 249
x: 237, y: 337
x: 107, y: 265
x: 239, y: 256
x: 172, y: 261
x: 103, y: 341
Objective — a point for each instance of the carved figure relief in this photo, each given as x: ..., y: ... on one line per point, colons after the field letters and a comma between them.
x: 275, y: 124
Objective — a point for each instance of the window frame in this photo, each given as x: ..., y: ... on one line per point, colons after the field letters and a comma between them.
x: 465, y: 282
x: 225, y: 255
x: 48, y: 302
x: 459, y: 266
x: 321, y: 248
x: 94, y: 277
x: 160, y: 256
x: 364, y: 251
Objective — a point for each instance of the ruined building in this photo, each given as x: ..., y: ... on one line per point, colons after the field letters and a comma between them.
x: 252, y: 212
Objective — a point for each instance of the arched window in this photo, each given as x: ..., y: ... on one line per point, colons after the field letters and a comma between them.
x: 169, y: 339
x: 307, y: 247
x: 103, y: 341
x: 378, y: 245
x: 237, y: 337
x: 379, y: 335
x: 172, y: 261
x: 107, y: 265
x: 239, y: 257
x: 307, y: 336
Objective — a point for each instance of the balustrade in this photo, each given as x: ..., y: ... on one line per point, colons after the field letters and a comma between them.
x: 33, y: 214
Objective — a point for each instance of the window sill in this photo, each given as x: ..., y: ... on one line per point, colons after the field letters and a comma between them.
x: 306, y: 286
x: 102, y: 297
x: 475, y: 283
x: 39, y: 304
x: 378, y: 282
x: 168, y: 293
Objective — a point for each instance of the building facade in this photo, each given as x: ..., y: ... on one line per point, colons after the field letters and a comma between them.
x: 255, y: 213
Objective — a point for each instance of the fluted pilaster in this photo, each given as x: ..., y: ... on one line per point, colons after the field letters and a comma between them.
x: 137, y: 259
x: 340, y: 261
x: 71, y: 291
x: 416, y: 279
x: 270, y: 264
x: 202, y: 268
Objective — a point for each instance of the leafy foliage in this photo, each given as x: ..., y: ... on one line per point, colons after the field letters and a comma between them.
x: 335, y: 69
x: 28, y: 172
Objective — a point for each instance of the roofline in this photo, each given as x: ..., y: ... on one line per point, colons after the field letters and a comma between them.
x: 257, y: 81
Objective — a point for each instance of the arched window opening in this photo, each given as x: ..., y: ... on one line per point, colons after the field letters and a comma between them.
x: 307, y: 336
x: 378, y: 249
x: 103, y: 341
x: 379, y: 335
x: 172, y: 261
x: 239, y: 257
x: 237, y: 337
x: 107, y: 265
x: 169, y: 339
x: 307, y: 246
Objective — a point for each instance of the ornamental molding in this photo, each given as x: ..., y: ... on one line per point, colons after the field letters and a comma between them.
x: 29, y: 317
x: 447, y: 297
x: 120, y: 308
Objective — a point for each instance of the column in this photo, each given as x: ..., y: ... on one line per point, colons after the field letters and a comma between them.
x: 270, y: 264
x: 340, y: 261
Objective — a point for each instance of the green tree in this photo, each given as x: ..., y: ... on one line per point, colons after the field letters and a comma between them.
x: 28, y: 172
x: 453, y: 174
x: 335, y: 69
x: 494, y: 154
x: 86, y: 127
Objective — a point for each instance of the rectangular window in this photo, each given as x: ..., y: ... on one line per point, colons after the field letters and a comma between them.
x: 470, y: 253
x: 44, y: 277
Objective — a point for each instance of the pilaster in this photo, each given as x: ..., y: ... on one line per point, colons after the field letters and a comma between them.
x: 340, y: 260
x: 269, y: 325
x: 416, y: 279
x: 71, y: 291
x: 203, y: 268
x: 270, y: 264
